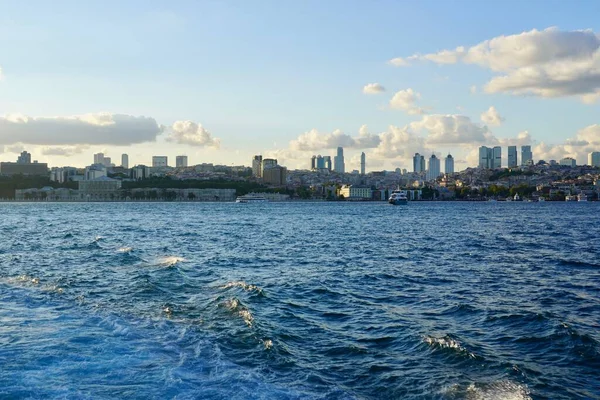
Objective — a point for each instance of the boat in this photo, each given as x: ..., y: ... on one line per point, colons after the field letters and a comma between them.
x: 398, y: 197
x: 517, y: 197
x: 251, y: 198
x: 541, y: 199
x: 571, y: 198
x: 582, y: 197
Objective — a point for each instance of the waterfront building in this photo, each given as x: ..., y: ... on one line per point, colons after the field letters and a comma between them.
x: 512, y: 156
x: 594, y: 159
x: 181, y: 161
x: 338, y: 161
x: 327, y: 161
x: 433, y: 168
x: 63, y: 174
x: 418, y: 163
x: 160, y: 161
x: 257, y: 166
x: 569, y: 162
x: 526, y: 155
x: 449, y: 164
x: 125, y: 161
x: 362, y: 163
x: 275, y: 175
x: 352, y: 192
x: 99, y: 189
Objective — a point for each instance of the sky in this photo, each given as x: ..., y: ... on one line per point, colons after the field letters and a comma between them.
x: 221, y: 81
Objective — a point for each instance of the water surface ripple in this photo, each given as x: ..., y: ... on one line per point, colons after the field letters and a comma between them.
x: 300, y: 301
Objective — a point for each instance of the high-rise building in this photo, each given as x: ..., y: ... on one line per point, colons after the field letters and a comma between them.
x: 418, y: 163
x: 160, y: 161
x: 433, y: 168
x: 512, y: 156
x: 526, y: 155
x: 313, y: 163
x: 267, y: 163
x: 568, y: 161
x: 497, y: 157
x: 486, y: 157
x: 362, y: 163
x: 327, y: 161
x: 125, y: 161
x: 320, y: 162
x: 275, y: 175
x: 24, y: 158
x: 594, y: 159
x: 257, y: 166
x: 338, y: 161
x: 181, y: 161
x: 449, y: 164
x: 99, y: 158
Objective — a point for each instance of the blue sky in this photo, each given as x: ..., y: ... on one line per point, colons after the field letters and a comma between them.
x: 259, y: 74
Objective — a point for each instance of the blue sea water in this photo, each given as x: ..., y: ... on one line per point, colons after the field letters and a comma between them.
x: 300, y: 301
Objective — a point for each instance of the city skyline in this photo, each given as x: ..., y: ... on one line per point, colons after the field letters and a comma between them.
x: 234, y: 96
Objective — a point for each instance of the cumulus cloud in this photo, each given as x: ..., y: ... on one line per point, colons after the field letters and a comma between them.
x: 547, y: 63
x: 373, y: 88
x: 492, y: 117
x: 314, y: 140
x: 399, y: 62
x: 451, y: 129
x: 578, y: 147
x: 193, y: 134
x: 406, y: 100
x: 399, y: 142
x: 90, y: 129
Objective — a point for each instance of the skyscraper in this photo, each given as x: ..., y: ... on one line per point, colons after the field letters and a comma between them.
x: 24, y: 158
x: 418, y: 163
x: 124, y: 161
x: 327, y: 161
x: 338, y: 161
x: 512, y: 156
x: 526, y: 155
x: 497, y: 157
x: 594, y: 159
x: 313, y: 163
x: 257, y: 166
x: 181, y: 161
x: 449, y: 164
x: 433, y: 168
x: 362, y: 163
x: 320, y: 162
x: 99, y: 158
x: 486, y: 157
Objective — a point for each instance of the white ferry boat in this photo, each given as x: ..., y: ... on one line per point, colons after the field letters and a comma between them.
x: 398, y: 197
x: 582, y: 197
x: 251, y: 198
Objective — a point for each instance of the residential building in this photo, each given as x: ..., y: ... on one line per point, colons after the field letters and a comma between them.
x: 569, y: 162
x: 418, y: 163
x: 320, y: 162
x: 338, y: 161
x: 63, y: 174
x: 327, y: 161
x: 24, y: 158
x: 433, y: 168
x: 313, y: 163
x: 512, y: 156
x: 497, y: 157
x: 99, y: 158
x: 275, y: 175
x: 526, y: 155
x: 140, y: 172
x: 486, y: 157
x: 160, y: 161
x: 362, y: 163
x: 257, y: 166
x: 125, y: 161
x: 94, y: 171
x: 33, y: 169
x: 449, y: 164
x: 181, y: 161
x: 594, y: 159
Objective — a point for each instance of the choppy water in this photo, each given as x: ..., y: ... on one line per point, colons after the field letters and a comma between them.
x: 300, y: 301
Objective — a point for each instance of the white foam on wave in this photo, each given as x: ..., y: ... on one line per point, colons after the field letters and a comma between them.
x: 169, y: 261
x: 125, y: 249
x: 501, y: 390
x: 241, y: 284
x: 234, y: 305
x: 447, y: 342
x: 268, y: 343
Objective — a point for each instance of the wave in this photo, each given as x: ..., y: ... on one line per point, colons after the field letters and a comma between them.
x: 238, y: 308
x: 501, y: 390
x: 241, y: 284
x: 169, y: 261
x: 447, y: 343
x: 125, y: 249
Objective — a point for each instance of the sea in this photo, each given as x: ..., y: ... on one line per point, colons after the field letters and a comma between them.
x: 329, y: 300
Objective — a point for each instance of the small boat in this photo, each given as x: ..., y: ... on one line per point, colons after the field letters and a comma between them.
x: 251, y: 198
x: 571, y: 198
x: 398, y: 197
x: 541, y: 199
x: 582, y: 197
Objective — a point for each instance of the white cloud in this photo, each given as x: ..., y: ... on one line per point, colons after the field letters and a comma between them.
x: 64, y: 151
x: 314, y: 140
x: 492, y: 117
x: 406, y: 100
x: 399, y: 62
x: 101, y: 128
x: 373, y: 88
x: 399, y: 142
x: 547, y: 63
x: 193, y: 134
x: 451, y: 130
x: 473, y: 89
